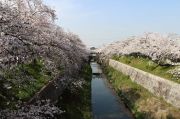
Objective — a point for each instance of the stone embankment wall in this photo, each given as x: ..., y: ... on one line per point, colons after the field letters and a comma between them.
x: 161, y: 87
x: 51, y: 91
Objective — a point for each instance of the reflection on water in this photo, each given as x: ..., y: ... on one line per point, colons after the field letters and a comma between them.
x: 105, y: 104
x: 96, y: 69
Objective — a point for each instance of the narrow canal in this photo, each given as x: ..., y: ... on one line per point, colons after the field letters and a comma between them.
x: 105, y: 103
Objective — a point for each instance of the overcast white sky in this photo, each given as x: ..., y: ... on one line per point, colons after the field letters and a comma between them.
x: 99, y: 22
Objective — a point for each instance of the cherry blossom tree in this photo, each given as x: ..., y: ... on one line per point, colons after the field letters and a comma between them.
x: 27, y: 33
x: 163, y: 49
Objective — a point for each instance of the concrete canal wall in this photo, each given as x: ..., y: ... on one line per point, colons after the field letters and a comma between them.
x: 161, y: 87
x: 51, y: 91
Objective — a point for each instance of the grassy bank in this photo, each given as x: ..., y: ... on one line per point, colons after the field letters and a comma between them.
x: 76, y: 100
x: 141, y: 102
x: 22, y: 82
x: 148, y: 65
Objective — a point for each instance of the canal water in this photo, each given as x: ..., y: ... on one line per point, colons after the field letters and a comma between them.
x: 105, y: 103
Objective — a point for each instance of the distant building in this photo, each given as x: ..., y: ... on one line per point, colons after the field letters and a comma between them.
x: 92, y: 48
